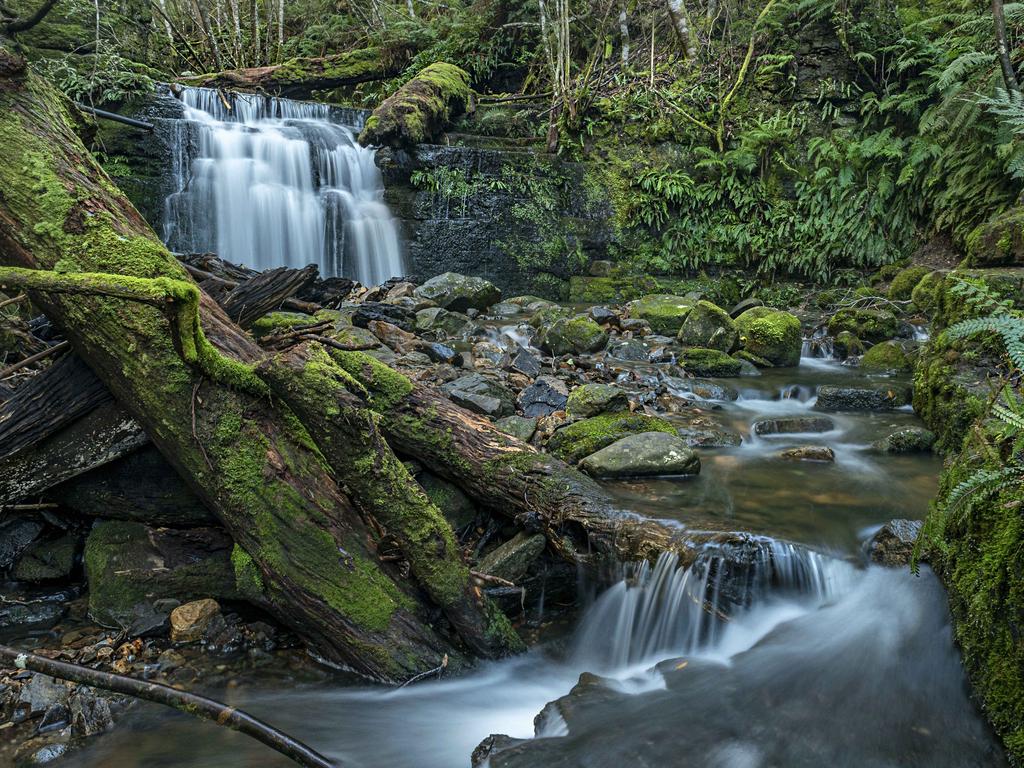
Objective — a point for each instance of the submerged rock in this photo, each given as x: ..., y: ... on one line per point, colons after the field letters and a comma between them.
x: 592, y: 399
x: 906, y: 440
x: 809, y: 453
x: 893, y: 545
x: 457, y: 293
x: 645, y: 455
x: 771, y: 334
x: 794, y: 425
x: 836, y: 398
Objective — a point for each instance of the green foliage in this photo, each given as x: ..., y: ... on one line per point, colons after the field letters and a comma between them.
x: 102, y: 79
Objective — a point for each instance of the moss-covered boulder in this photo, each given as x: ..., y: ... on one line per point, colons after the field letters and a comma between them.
x: 906, y: 440
x: 924, y: 294
x: 128, y: 564
x: 458, y: 293
x: 47, y: 559
x: 547, y: 314
x: 870, y: 325
x: 902, y: 286
x: 573, y: 336
x: 771, y: 334
x: 708, y: 325
x: 999, y: 242
x: 847, y: 344
x: 663, y: 312
x: 582, y: 438
x: 418, y: 111
x: 649, y: 454
x: 449, y: 324
x: 712, y: 363
x: 592, y: 399
x: 887, y: 356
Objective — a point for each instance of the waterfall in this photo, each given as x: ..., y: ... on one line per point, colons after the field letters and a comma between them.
x: 269, y: 182
x: 657, y: 612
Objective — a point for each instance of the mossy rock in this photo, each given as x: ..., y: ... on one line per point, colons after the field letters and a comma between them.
x: 582, y: 438
x: 906, y: 440
x: 771, y: 334
x: 847, y: 344
x: 547, y: 315
x: 128, y: 563
x: 709, y: 326
x: 749, y: 357
x: 420, y: 110
x: 870, y: 325
x: 663, y: 312
x: 887, y: 356
x: 902, y: 286
x: 47, y: 560
x: 592, y: 399
x: 573, y: 336
x: 458, y: 293
x: 924, y: 295
x: 711, y: 363
x: 999, y: 242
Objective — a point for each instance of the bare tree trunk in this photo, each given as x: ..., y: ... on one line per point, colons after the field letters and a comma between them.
x: 624, y: 34
x: 410, y: 8
x: 236, y: 29
x: 254, y: 22
x: 681, y: 24
x: 1003, y: 47
x: 204, y: 23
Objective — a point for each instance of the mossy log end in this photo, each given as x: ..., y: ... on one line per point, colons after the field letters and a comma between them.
x: 418, y: 111
x: 249, y: 460
x: 342, y: 425
x: 299, y: 77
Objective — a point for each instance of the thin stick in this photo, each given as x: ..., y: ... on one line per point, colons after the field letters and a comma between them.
x: 200, y: 706
x: 435, y: 671
x: 15, y: 300
x: 35, y: 358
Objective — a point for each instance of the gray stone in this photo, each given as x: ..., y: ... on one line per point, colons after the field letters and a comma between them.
x: 90, y: 714
x: 525, y: 362
x: 604, y: 316
x: 41, y: 693
x: 885, y: 398
x: 709, y: 437
x: 441, y: 353
x: 629, y: 350
x: 643, y: 455
x: 820, y: 453
x: 450, y: 324
x: 699, y: 389
x: 518, y: 426
x: 893, y: 545
x: 458, y: 293
x: 513, y: 559
x: 490, y: 354
x: 545, y: 396
x: 592, y: 399
x: 573, y: 336
x: 480, y: 394
x: 906, y: 440
x: 16, y: 534
x: 795, y: 425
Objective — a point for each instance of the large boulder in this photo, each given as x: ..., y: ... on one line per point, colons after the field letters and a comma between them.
x: 771, y: 334
x: 441, y: 321
x: 457, y: 293
x: 592, y: 399
x: 573, y: 336
x: 999, y: 242
x: 708, y: 325
x: 885, y: 398
x: 902, y: 286
x: 645, y: 455
x: 871, y: 325
x: 886, y: 357
x: 663, y: 312
x: 709, y: 362
x: 582, y: 438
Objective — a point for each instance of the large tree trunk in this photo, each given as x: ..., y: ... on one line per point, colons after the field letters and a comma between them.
x: 248, y: 459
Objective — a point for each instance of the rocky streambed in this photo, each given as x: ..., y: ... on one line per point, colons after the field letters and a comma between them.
x: 791, y: 427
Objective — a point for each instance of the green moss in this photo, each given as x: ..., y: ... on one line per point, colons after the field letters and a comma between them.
x: 771, y: 334
x: 573, y: 336
x: 887, y: 356
x: 998, y: 242
x: 709, y: 362
x: 582, y: 438
x: 248, y: 579
x: 383, y: 385
x: 420, y: 109
x: 663, y: 312
x: 592, y: 399
x: 902, y: 286
x: 871, y: 325
x: 279, y: 321
x: 708, y: 326
x: 924, y: 294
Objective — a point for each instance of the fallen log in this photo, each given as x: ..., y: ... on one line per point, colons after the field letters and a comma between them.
x: 267, y: 291
x: 299, y: 77
x: 171, y: 356
x: 189, y: 703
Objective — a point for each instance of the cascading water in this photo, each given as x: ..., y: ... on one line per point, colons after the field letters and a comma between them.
x: 271, y: 182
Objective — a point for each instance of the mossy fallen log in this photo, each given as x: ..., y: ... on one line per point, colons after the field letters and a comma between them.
x: 299, y: 77
x: 418, y: 111
x: 185, y: 373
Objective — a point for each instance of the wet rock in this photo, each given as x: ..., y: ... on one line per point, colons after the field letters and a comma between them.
x: 491, y: 745
x: 402, y: 342
x: 709, y: 362
x: 35, y: 608
x: 771, y: 334
x: 504, y: 309
x: 545, y: 396
x: 490, y: 355
x: 16, y: 534
x: 893, y: 545
x: 128, y: 563
x: 511, y: 560
x: 906, y: 440
x: 743, y: 306
x: 190, y: 621
x: 604, y: 316
x: 664, y: 313
x: 525, y: 362
x: 388, y: 313
x: 354, y: 339
x: 47, y: 560
x: 846, y: 344
x: 592, y: 399
x: 887, y: 356
x: 449, y: 324
x: 871, y: 325
x: 885, y: 398
x: 43, y: 750
x: 582, y: 438
x: 699, y: 389
x: 518, y: 426
x: 794, y: 425
x: 441, y: 353
x: 644, y: 455
x: 709, y: 437
x: 708, y: 326
x: 628, y: 350
x: 90, y: 714
x: 480, y: 394
x: 56, y: 718
x: 41, y: 693
x: 573, y: 336
x: 457, y: 508
x: 809, y: 453
x: 458, y: 293
x: 400, y: 290
x: 547, y: 315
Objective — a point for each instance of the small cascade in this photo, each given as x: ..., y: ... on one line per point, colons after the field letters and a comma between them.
x: 656, y: 612
x: 818, y: 346
x: 269, y: 182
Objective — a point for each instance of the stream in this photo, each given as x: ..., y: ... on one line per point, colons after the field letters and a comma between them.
x: 820, y: 662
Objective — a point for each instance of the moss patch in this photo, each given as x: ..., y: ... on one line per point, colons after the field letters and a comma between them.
x: 418, y: 111
x: 583, y: 438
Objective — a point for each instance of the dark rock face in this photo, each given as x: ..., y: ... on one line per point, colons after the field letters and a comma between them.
x: 16, y: 535
x: 893, y: 545
x: 542, y: 398
x: 833, y: 398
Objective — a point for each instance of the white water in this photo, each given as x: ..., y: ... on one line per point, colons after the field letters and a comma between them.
x: 274, y: 183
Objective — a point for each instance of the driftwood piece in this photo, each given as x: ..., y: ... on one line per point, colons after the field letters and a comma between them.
x: 265, y: 292
x: 189, y: 703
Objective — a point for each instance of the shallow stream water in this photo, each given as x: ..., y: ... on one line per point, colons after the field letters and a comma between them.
x: 823, y: 663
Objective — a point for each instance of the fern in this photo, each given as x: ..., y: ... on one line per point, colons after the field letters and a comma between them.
x: 982, y: 484
x: 1009, y: 328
